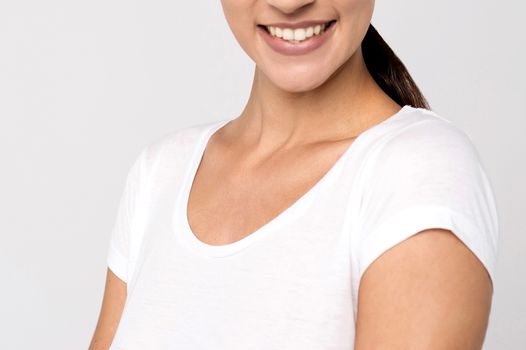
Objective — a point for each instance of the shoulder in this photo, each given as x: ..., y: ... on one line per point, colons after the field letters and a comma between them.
x: 429, y: 133
x: 175, y: 145
x: 424, y: 166
x: 424, y: 143
x: 426, y: 174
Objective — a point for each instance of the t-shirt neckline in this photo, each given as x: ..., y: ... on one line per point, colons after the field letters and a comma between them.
x: 181, y: 224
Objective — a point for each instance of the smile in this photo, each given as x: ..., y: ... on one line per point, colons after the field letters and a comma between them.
x: 296, y: 39
x: 297, y: 35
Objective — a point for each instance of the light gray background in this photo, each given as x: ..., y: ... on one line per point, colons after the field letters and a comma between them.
x: 85, y: 85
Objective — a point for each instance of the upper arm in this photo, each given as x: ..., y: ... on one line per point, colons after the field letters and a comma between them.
x: 427, y: 292
x: 425, y: 251
x: 124, y: 238
x: 110, y: 313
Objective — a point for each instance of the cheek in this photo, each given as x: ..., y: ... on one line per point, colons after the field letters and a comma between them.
x: 241, y: 25
x: 356, y: 15
x: 355, y: 5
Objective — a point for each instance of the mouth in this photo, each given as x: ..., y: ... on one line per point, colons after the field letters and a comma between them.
x: 298, y: 33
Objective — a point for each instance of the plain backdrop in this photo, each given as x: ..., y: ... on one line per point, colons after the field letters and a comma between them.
x: 84, y: 85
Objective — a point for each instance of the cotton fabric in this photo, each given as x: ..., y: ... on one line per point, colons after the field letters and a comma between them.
x: 293, y: 283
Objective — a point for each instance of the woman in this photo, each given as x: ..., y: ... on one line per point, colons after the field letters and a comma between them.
x: 294, y: 225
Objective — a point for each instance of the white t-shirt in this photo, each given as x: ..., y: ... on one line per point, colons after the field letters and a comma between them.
x: 292, y: 284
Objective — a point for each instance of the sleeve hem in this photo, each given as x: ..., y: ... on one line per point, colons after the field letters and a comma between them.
x: 412, y: 220
x: 117, y: 264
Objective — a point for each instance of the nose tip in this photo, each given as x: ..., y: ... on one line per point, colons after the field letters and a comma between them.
x: 289, y: 6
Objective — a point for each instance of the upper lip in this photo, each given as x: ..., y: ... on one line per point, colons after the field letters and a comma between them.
x: 295, y: 25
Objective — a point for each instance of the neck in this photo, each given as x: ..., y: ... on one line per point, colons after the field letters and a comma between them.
x: 339, y: 108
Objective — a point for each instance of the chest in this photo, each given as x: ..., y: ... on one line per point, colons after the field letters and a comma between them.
x: 230, y: 202
x: 290, y: 289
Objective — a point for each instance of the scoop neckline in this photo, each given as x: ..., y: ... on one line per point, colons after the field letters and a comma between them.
x: 180, y: 221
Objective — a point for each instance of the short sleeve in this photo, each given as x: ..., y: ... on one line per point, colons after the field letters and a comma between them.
x: 118, y: 254
x: 428, y: 175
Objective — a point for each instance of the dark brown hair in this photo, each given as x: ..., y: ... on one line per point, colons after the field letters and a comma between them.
x: 389, y: 72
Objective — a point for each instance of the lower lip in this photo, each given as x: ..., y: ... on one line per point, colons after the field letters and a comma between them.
x: 290, y: 49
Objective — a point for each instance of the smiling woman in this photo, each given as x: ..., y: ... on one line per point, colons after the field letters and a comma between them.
x: 337, y: 211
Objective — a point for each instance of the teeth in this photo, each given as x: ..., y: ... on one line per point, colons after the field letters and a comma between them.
x: 288, y: 34
x: 298, y: 34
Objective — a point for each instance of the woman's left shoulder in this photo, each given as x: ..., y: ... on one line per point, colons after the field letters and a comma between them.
x: 427, y: 136
x: 426, y: 173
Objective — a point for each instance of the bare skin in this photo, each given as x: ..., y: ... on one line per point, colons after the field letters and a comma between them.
x: 254, y: 168
x: 428, y: 292
x: 110, y: 313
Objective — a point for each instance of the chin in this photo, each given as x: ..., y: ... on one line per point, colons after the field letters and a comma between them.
x: 297, y: 86
x: 298, y: 80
